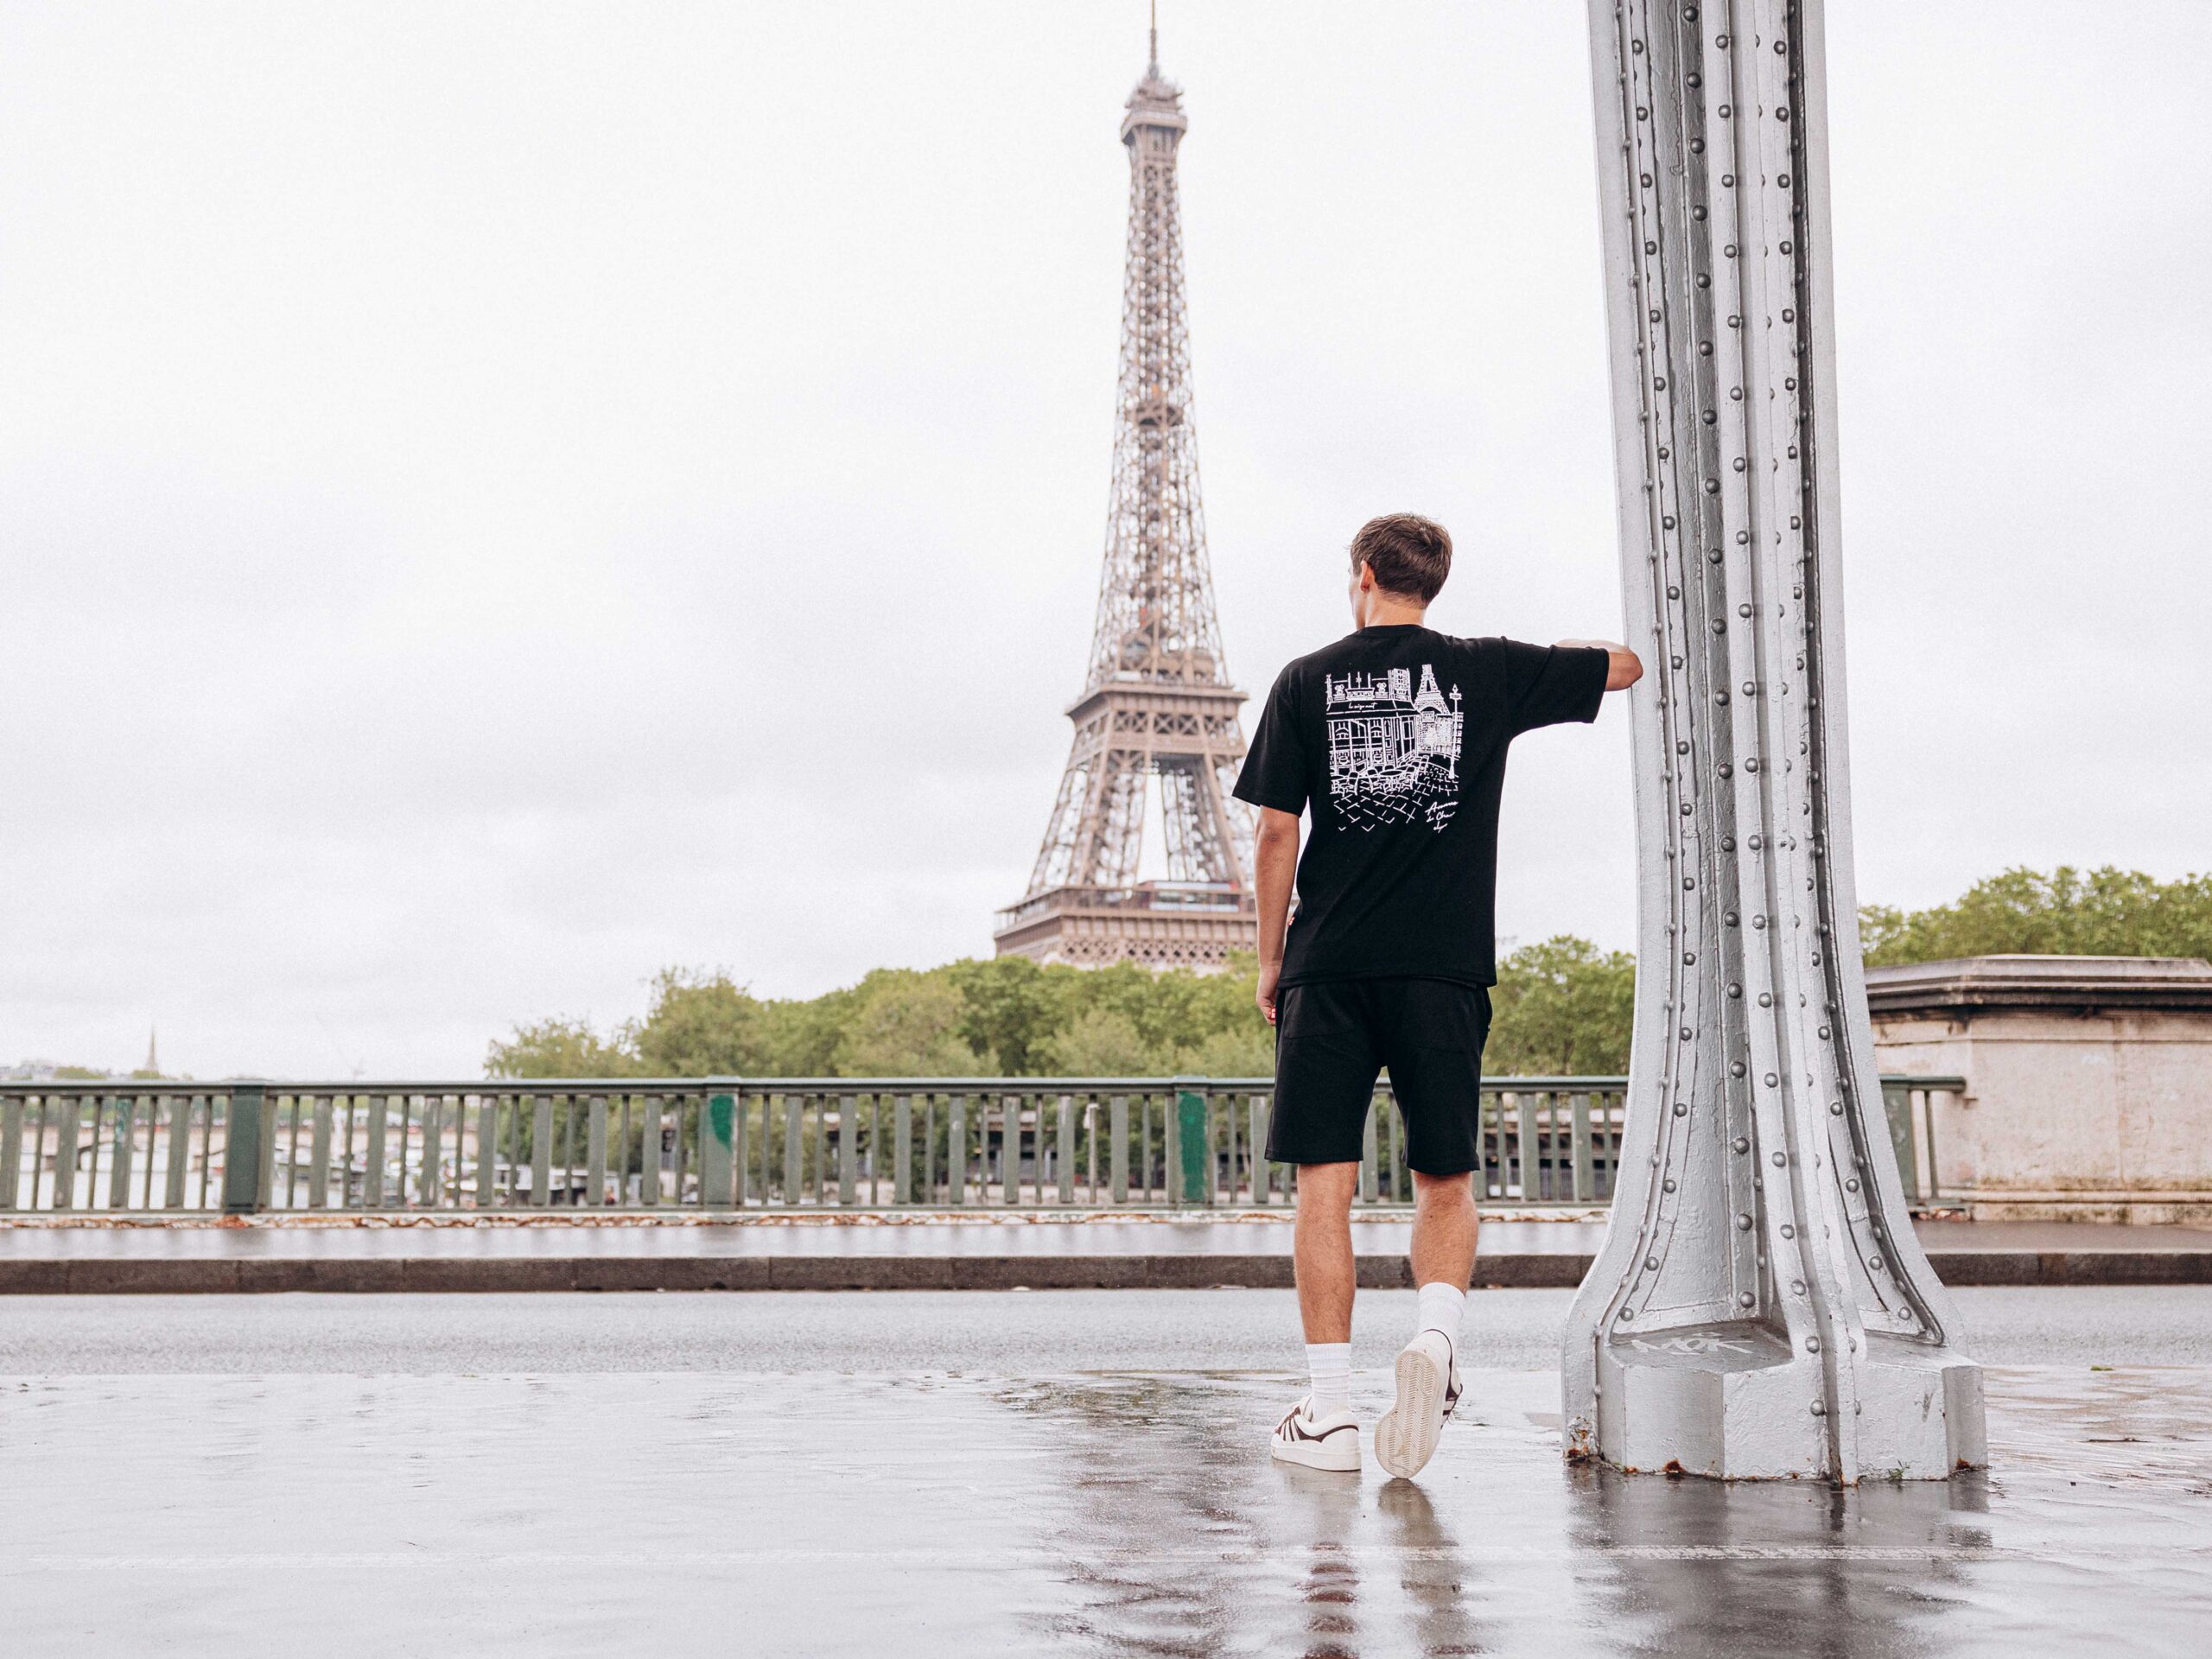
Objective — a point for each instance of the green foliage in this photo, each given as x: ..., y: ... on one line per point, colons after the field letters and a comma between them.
x: 2107, y: 912
x: 702, y: 1025
x: 1562, y: 1009
x: 1012, y: 1006
x: 1561, y: 1006
x: 1004, y: 1016
x: 562, y: 1048
x: 902, y: 1023
x: 1100, y: 1042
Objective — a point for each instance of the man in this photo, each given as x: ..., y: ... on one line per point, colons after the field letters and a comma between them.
x: 1396, y: 737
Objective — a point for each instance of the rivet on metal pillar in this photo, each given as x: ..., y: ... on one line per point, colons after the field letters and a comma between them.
x: 1760, y: 1306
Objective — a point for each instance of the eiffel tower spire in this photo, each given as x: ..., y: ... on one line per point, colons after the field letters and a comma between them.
x: 1157, y: 701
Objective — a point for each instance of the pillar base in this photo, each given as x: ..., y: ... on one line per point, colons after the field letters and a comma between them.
x: 1728, y: 1402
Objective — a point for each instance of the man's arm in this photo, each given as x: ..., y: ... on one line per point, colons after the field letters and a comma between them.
x: 1275, y: 870
x: 1624, y: 668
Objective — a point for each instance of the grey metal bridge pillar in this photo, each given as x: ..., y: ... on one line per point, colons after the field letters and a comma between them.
x: 1761, y: 1307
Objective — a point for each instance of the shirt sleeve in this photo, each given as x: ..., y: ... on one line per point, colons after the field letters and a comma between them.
x: 1276, y: 772
x: 1546, y: 684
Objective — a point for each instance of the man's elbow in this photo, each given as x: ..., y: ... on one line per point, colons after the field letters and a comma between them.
x: 1624, y: 668
x: 1278, y: 830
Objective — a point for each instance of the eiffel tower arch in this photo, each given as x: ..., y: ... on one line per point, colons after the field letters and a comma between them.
x: 1157, y: 703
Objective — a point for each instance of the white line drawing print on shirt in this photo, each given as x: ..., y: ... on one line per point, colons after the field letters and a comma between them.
x: 1393, y: 753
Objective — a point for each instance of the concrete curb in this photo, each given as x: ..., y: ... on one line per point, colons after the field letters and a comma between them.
x: 1185, y: 1271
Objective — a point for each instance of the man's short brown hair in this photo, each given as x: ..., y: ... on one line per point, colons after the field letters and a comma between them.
x: 1409, y: 554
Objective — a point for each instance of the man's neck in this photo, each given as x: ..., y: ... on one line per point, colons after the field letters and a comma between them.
x: 1374, y: 610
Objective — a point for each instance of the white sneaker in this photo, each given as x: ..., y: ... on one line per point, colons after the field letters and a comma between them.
x: 1428, y: 1391
x: 1317, y: 1442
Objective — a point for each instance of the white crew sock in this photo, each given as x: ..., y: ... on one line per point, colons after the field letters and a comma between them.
x: 1442, y: 1306
x: 1329, y: 1364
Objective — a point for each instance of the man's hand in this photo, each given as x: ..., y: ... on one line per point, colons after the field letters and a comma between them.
x: 1270, y: 976
x: 1624, y: 668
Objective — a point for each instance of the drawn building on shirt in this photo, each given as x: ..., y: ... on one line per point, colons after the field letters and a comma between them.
x: 1394, y: 751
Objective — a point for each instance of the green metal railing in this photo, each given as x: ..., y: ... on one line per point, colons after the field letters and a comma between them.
x: 726, y: 1144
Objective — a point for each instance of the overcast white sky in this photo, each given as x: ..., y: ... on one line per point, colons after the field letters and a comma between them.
x: 497, y: 498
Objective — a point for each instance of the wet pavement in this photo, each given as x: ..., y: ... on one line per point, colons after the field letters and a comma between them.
x: 979, y: 1333
x: 918, y: 1250
x: 978, y: 1509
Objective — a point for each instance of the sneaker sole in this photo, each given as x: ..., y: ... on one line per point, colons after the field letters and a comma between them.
x: 1311, y: 1454
x: 1406, y: 1438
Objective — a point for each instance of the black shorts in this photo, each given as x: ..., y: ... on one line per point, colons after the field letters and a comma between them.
x: 1333, y: 1036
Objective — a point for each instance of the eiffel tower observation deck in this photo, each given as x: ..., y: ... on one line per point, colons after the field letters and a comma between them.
x: 1158, y: 702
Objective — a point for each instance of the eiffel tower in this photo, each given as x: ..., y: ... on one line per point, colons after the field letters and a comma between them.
x: 1158, y: 701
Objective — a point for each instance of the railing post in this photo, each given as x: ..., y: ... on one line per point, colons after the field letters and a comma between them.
x: 428, y: 1186
x: 1933, y: 1174
x: 902, y: 1144
x: 794, y: 1149
x: 1532, y: 1180
x: 956, y: 1151
x: 1579, y: 1105
x: 64, y: 1152
x: 1191, y: 1160
x: 487, y: 1143
x: 1066, y: 1153
x: 242, y: 1149
x: 1171, y: 1137
x: 849, y: 1149
x: 11, y: 1151
x: 1897, y: 1106
x: 318, y: 1156
x: 179, y: 1153
x: 1397, y: 1120
x: 1257, y: 1145
x: 1117, y: 1132
x: 596, y: 1151
x: 540, y: 1152
x: 1223, y: 1112
x: 126, y: 1130
x: 649, y: 1148
x: 1367, y: 1161
x: 1010, y: 1150
x: 266, y: 1186
x: 372, y: 1177
x: 718, y: 1159
x: 741, y: 1150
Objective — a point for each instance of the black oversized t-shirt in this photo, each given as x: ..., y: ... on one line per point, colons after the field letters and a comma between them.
x: 1396, y: 737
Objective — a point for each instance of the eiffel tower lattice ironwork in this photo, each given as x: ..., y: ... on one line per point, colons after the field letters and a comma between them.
x: 1158, y: 701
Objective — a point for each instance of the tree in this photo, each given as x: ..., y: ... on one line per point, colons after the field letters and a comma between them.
x: 703, y: 1026
x: 906, y: 1023
x: 1562, y: 1008
x: 1100, y: 1042
x: 2106, y: 912
x: 1009, y: 1005
x: 561, y: 1048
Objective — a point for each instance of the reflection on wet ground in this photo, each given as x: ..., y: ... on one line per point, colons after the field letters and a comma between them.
x: 691, y: 1513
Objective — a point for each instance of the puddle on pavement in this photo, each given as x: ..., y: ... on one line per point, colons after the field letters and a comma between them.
x: 1104, y: 1514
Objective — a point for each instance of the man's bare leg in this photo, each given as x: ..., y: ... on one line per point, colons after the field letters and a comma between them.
x: 1444, y: 1228
x: 1427, y: 1368
x: 1319, y: 1430
x: 1322, y: 1250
